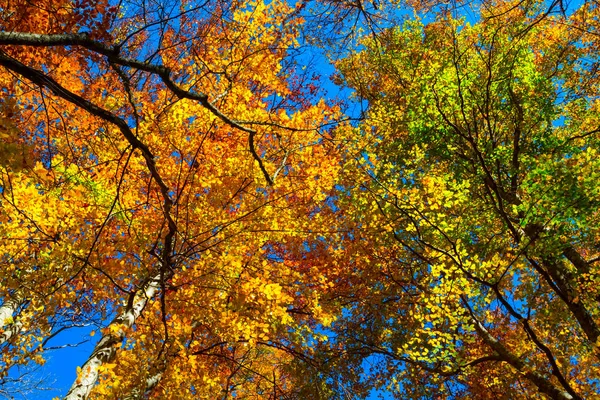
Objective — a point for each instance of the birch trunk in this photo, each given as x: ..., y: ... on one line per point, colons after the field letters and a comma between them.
x: 8, y: 325
x: 151, y: 383
x: 106, y: 348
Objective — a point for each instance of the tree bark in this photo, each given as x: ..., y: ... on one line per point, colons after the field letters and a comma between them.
x: 151, y: 383
x: 106, y: 348
x: 8, y: 325
x: 564, y: 283
x: 571, y: 297
x: 543, y: 384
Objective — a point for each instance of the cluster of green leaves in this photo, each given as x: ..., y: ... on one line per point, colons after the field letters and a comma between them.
x: 481, y: 144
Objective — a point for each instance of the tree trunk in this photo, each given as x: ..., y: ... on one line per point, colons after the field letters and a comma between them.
x: 151, y: 383
x: 543, y: 384
x: 8, y: 325
x: 106, y: 348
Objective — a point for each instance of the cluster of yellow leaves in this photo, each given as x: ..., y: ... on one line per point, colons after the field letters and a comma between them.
x: 82, y: 221
x: 89, y: 218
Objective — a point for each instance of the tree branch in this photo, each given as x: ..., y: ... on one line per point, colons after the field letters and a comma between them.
x: 543, y: 384
x: 112, y: 53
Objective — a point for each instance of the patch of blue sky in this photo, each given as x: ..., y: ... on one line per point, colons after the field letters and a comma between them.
x: 67, y: 347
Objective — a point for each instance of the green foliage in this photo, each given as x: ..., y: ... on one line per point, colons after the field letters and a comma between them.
x: 481, y: 179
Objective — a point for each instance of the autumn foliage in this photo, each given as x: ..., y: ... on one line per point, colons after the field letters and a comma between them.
x: 175, y: 179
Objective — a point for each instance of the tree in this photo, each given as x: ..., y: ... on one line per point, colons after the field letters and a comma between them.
x: 160, y: 158
x: 478, y: 204
x: 170, y: 179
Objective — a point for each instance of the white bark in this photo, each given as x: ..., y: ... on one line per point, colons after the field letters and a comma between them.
x: 9, y: 326
x: 151, y: 383
x: 106, y: 348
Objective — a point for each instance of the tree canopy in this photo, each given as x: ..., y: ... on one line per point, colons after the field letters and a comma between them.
x: 176, y: 178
